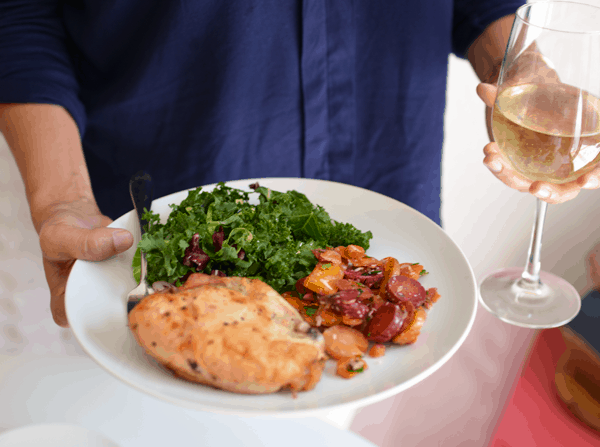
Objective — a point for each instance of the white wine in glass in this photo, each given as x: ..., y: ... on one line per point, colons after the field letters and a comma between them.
x: 535, y: 126
x: 546, y: 123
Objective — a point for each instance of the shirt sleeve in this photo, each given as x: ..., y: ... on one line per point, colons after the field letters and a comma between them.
x: 472, y: 17
x: 35, y: 65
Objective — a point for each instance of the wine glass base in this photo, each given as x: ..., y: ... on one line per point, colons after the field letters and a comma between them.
x: 553, y: 305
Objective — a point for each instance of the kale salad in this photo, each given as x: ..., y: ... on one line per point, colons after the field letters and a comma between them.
x: 222, y: 232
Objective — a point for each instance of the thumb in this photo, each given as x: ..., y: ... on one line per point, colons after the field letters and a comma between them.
x: 487, y: 93
x: 63, y: 242
x: 101, y: 243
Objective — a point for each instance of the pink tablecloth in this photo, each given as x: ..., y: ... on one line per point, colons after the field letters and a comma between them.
x: 535, y: 415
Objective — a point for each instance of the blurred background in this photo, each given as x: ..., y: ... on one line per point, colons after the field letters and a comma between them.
x: 461, y: 402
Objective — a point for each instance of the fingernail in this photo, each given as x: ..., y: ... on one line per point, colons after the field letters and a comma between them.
x: 494, y: 166
x: 122, y: 239
x: 543, y: 194
x: 591, y: 183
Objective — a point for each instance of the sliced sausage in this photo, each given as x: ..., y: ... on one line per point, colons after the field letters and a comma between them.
x: 400, y: 289
x: 386, y: 323
x: 346, y: 302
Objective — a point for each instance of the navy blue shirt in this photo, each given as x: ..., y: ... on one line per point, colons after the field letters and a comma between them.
x: 202, y: 91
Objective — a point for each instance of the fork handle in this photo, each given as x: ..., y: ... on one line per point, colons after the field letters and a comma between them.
x: 141, y: 190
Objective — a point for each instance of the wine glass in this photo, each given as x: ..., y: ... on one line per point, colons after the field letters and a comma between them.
x: 546, y: 122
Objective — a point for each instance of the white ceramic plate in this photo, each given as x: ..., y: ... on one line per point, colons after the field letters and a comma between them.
x: 54, y: 435
x: 96, y: 309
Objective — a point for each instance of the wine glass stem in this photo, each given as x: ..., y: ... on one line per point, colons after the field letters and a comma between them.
x: 530, y: 279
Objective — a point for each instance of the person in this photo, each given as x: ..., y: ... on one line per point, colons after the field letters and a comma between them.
x: 199, y: 92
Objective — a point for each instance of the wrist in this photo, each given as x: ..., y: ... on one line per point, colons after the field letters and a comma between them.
x: 46, y: 145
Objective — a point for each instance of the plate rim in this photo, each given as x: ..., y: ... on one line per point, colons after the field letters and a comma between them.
x: 295, y: 412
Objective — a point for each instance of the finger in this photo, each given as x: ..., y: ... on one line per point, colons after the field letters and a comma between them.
x: 63, y: 242
x: 56, y: 277
x: 94, y: 244
x: 548, y: 192
x: 502, y: 171
x: 487, y: 93
x: 552, y: 193
x: 591, y: 180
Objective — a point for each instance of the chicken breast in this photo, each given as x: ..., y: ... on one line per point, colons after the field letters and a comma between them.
x: 236, y: 334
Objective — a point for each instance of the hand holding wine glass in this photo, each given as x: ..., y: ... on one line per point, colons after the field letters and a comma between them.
x: 552, y: 193
x: 546, y: 127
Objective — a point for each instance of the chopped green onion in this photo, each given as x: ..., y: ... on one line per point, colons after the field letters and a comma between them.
x: 310, y: 311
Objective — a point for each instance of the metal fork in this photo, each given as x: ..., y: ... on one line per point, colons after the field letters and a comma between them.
x: 141, y: 191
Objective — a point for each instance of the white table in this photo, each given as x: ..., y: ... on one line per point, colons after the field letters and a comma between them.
x: 62, y: 388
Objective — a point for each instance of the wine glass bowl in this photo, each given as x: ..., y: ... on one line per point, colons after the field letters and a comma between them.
x: 536, y: 127
x: 546, y: 123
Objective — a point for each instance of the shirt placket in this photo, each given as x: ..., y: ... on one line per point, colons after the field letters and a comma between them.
x: 328, y: 89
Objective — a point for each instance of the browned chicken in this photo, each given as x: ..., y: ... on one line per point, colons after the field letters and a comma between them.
x: 236, y: 334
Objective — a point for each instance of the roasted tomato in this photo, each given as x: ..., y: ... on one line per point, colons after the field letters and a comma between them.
x: 323, y: 278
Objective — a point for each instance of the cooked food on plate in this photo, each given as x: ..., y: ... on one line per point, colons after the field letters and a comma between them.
x: 357, y: 299
x: 257, y: 295
x: 223, y: 232
x: 233, y: 333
